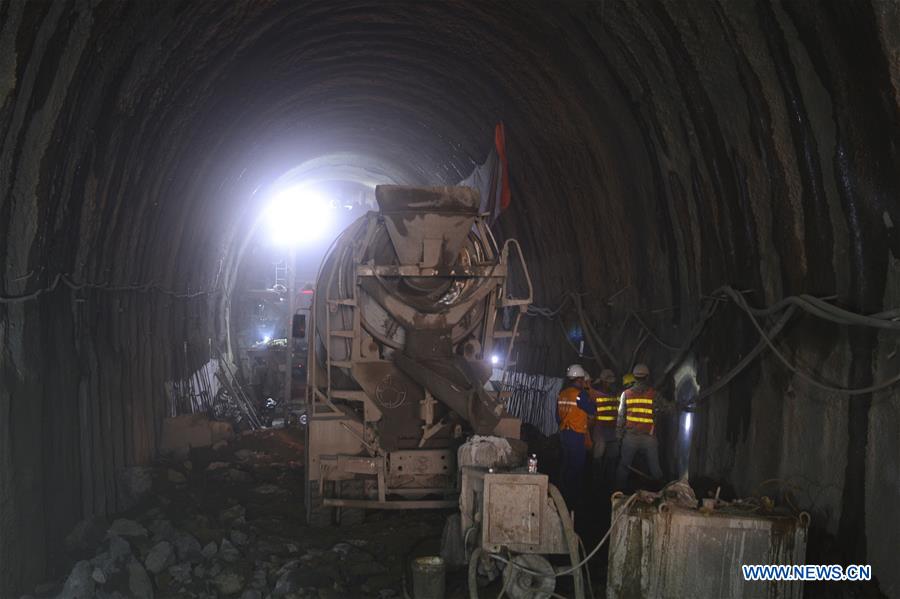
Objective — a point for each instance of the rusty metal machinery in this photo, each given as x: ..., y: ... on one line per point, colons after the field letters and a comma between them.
x: 409, y: 307
x: 512, y: 520
x: 669, y: 549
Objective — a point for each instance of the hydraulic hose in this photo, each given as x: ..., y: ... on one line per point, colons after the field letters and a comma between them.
x: 571, y: 539
x: 473, y: 572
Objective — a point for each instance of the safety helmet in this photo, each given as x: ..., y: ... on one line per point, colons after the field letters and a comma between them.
x: 607, y: 376
x: 576, y: 371
x: 641, y: 371
x: 628, y: 380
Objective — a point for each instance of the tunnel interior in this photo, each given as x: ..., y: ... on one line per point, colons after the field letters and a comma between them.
x: 657, y: 151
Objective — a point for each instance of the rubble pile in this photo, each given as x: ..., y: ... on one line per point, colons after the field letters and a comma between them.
x: 228, y: 522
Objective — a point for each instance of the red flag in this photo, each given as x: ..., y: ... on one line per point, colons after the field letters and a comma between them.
x: 500, y: 144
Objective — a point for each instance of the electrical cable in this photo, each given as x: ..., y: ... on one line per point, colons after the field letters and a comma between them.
x: 593, y: 338
x: 473, y: 572
x: 818, y: 307
x: 653, y: 335
x: 587, y: 570
x: 61, y: 278
x: 740, y: 366
x: 547, y: 312
x: 741, y: 302
x: 707, y: 312
x: 506, y: 581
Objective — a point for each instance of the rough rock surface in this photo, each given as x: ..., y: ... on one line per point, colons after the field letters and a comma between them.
x: 212, y: 535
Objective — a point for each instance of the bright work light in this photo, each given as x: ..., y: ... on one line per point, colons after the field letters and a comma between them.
x: 297, y: 216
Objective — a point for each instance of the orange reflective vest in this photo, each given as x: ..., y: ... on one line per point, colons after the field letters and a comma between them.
x: 639, y: 410
x: 607, y: 410
x: 571, y: 417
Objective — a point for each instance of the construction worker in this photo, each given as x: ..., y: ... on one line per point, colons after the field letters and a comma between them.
x: 636, y: 425
x: 574, y: 409
x: 603, y: 429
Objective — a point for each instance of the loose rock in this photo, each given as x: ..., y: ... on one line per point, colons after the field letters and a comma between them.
x: 268, y: 489
x: 79, y: 584
x: 188, y: 547
x: 159, y: 558
x: 244, y: 454
x: 138, y: 582
x: 228, y: 582
x: 239, y: 538
x: 228, y: 551
x: 118, y: 547
x: 181, y: 572
x: 210, y: 550
x: 133, y: 482
x: 162, y: 530
x: 233, y: 475
x: 127, y: 528
x: 87, y: 534
x: 233, y: 514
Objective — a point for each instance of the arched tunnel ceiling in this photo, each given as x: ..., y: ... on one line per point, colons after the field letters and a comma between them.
x: 657, y: 148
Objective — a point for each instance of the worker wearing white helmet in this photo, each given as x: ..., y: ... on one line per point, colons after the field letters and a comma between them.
x: 574, y: 409
x: 603, y: 428
x: 636, y: 412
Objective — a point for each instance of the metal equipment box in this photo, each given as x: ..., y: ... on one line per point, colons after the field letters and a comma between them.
x: 512, y: 510
x: 668, y: 551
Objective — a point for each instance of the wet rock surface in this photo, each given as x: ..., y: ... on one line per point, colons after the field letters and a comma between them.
x: 240, y: 537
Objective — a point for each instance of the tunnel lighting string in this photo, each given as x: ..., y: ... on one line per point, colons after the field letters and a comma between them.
x: 65, y: 280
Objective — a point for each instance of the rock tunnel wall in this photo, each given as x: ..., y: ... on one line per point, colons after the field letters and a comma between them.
x: 657, y: 151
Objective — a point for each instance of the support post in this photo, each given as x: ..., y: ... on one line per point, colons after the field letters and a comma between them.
x: 289, y: 334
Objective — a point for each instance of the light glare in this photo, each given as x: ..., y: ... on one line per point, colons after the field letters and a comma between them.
x: 298, y: 215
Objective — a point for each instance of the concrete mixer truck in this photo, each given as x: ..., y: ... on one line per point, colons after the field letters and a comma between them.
x: 411, y: 304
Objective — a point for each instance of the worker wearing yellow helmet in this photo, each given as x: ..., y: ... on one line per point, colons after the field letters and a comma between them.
x: 603, y: 429
x: 637, y: 426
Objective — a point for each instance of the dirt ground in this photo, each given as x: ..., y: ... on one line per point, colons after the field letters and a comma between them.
x: 229, y: 522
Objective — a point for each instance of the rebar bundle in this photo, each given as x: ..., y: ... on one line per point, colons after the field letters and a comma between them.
x: 532, y: 399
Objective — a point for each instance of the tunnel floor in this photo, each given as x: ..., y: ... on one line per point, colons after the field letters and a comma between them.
x: 229, y: 522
